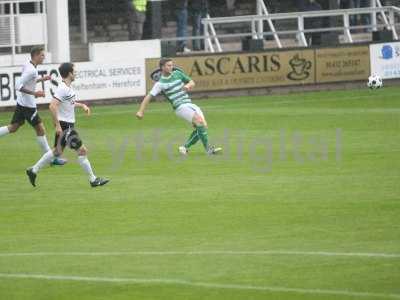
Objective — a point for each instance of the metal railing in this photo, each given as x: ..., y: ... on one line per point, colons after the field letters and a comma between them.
x: 255, y: 22
x: 16, y: 27
x: 263, y: 11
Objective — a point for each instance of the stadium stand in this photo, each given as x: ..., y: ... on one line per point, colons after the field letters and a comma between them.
x: 107, y: 22
x: 114, y: 28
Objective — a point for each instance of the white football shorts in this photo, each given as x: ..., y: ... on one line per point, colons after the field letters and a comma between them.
x: 187, y: 111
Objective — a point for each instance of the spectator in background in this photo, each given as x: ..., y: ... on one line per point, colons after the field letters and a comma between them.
x: 136, y: 18
x: 357, y: 19
x: 344, y: 4
x: 313, y: 38
x: 354, y: 19
x: 181, y: 11
x: 300, y: 5
x: 366, y: 18
x: 199, y: 10
x: 230, y: 5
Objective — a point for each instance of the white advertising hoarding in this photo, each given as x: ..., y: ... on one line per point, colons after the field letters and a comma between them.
x: 110, y: 80
x: 94, y: 81
x: 385, y: 60
x: 124, y: 51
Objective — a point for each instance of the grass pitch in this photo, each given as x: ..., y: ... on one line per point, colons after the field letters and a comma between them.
x: 303, y: 204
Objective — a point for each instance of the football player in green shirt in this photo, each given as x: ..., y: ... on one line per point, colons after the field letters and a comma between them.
x: 174, y: 84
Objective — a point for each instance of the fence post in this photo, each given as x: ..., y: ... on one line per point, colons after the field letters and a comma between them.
x: 373, y: 15
x: 46, y: 41
x: 207, y: 40
x: 12, y: 32
x: 392, y: 24
x: 253, y: 30
x: 82, y: 9
x: 37, y: 7
x: 17, y: 13
x: 346, y: 22
x: 260, y: 27
x: 300, y: 35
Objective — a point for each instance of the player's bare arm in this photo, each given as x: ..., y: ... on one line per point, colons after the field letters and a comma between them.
x: 143, y: 106
x: 85, y: 108
x: 54, y: 104
x: 36, y: 94
x: 189, y: 86
x: 44, y: 78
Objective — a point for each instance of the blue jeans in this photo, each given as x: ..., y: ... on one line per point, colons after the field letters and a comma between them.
x: 365, y: 19
x: 198, y: 28
x: 182, y: 22
x: 353, y: 18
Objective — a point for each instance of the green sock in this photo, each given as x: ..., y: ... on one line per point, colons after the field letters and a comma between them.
x: 203, y: 135
x: 193, y: 139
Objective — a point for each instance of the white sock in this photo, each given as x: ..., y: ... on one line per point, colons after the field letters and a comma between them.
x: 44, y: 145
x: 45, y: 160
x: 4, y: 130
x: 85, y: 164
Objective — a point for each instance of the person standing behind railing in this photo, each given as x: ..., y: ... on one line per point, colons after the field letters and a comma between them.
x: 136, y: 18
x: 313, y: 38
x: 300, y: 5
x: 181, y: 11
x: 199, y: 10
x: 354, y: 19
x: 345, y: 4
x: 357, y: 19
x: 365, y: 18
x: 230, y: 5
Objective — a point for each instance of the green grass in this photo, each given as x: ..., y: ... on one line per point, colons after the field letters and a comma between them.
x: 337, y: 191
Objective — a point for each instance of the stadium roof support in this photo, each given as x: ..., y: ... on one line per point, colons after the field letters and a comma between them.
x: 58, y: 30
x: 82, y: 12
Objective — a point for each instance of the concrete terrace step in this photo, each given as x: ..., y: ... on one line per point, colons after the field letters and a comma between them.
x: 237, y: 46
x: 357, y: 37
x: 79, y: 52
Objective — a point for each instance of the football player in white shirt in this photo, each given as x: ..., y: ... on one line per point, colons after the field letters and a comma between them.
x: 26, y: 109
x: 62, y: 108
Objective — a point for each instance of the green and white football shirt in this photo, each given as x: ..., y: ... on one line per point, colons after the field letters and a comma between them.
x: 172, y: 88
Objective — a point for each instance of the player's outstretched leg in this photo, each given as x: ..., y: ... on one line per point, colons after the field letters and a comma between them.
x: 4, y: 130
x: 193, y: 114
x: 202, y: 132
x: 44, y: 145
x: 45, y: 160
x: 87, y: 167
x: 9, y: 129
x: 193, y: 139
x: 31, y: 176
x: 58, y: 161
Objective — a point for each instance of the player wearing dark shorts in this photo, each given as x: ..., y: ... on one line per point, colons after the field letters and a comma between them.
x: 62, y: 108
x: 26, y: 109
x: 61, y: 140
x: 29, y: 114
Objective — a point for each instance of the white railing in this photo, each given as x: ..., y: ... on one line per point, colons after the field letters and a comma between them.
x: 263, y: 11
x: 387, y: 20
x: 209, y: 40
x: 19, y: 29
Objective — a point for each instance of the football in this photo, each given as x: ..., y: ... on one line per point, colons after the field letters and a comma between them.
x: 375, y: 82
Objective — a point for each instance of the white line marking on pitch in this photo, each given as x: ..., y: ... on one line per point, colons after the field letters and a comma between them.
x: 201, y: 253
x: 199, y: 284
